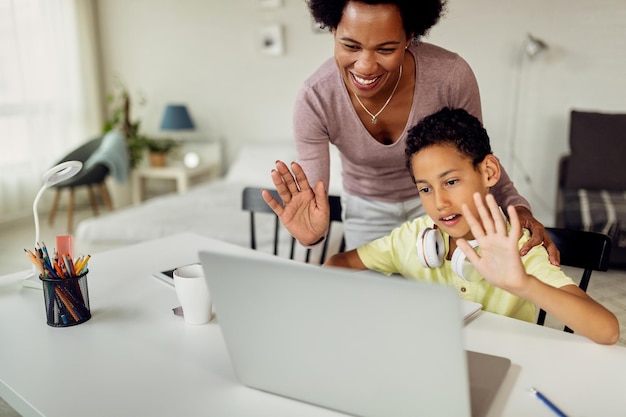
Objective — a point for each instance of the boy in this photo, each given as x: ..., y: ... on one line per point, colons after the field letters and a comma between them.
x: 452, y: 165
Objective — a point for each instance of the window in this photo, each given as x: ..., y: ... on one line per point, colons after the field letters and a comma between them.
x: 44, y: 105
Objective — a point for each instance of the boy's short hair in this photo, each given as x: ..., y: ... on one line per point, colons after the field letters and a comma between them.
x: 449, y: 126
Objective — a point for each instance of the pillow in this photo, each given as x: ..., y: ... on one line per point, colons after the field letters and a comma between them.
x: 598, y: 148
x: 255, y: 161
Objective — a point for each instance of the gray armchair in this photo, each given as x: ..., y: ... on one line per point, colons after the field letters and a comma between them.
x: 103, y: 156
x: 591, y: 191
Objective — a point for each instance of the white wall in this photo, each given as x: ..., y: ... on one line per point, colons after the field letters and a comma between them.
x: 584, y: 68
x: 205, y: 53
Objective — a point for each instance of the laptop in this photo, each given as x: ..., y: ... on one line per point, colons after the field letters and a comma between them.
x: 359, y: 343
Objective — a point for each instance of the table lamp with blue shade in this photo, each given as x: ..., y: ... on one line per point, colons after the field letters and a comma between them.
x: 176, y: 117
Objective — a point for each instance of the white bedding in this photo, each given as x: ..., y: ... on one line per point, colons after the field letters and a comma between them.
x: 212, y: 209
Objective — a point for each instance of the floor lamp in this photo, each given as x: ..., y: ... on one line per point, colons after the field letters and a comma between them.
x: 530, y: 48
x: 53, y: 176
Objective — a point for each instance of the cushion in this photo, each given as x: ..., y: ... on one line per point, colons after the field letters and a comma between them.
x: 598, y: 148
x: 255, y: 161
x: 599, y: 211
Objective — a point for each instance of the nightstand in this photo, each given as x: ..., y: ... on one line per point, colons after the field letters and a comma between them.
x: 179, y: 173
x: 210, y: 167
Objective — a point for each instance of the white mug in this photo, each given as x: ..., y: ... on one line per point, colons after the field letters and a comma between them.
x: 193, y: 294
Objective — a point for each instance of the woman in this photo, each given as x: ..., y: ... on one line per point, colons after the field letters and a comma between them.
x: 382, y: 81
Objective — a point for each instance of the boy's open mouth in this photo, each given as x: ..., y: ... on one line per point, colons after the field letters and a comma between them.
x: 450, y: 220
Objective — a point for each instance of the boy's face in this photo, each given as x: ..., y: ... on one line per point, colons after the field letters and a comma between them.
x: 446, y: 179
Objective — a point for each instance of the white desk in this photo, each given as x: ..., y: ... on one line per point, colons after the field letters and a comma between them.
x: 135, y: 358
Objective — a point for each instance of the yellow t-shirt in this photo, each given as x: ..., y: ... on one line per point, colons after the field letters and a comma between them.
x: 396, y: 254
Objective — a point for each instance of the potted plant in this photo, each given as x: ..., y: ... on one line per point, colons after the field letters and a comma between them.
x: 158, y: 150
x: 119, y: 118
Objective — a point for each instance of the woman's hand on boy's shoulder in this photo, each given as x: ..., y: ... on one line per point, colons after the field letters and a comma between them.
x: 538, y: 235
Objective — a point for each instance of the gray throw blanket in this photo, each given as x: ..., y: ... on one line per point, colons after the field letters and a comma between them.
x: 112, y: 153
x: 597, y: 211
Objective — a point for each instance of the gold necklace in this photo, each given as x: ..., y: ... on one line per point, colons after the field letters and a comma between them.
x: 374, y: 116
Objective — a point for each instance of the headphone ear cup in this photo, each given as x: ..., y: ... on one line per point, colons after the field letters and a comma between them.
x: 462, y: 267
x: 430, y: 248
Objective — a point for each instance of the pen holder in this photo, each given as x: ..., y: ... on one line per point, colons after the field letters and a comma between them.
x: 66, y: 300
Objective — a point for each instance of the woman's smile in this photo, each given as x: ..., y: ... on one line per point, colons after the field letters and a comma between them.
x: 365, y: 83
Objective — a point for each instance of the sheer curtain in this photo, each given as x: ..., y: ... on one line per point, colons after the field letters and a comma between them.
x: 49, y: 94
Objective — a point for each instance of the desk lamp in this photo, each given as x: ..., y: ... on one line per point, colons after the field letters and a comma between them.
x: 54, y: 175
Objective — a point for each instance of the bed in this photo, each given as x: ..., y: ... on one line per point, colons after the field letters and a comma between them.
x: 210, y: 209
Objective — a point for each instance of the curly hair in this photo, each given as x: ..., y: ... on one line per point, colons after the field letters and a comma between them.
x: 449, y: 126
x: 418, y: 16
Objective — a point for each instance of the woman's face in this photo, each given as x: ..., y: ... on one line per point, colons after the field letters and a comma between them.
x: 369, y: 47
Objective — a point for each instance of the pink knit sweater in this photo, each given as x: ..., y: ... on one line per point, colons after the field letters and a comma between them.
x: 324, y: 114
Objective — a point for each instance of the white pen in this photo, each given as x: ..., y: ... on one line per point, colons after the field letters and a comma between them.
x: 547, y: 402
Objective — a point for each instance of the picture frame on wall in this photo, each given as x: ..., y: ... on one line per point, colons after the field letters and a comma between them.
x: 271, y: 40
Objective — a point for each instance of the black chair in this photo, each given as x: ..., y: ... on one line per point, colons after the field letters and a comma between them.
x: 95, y: 176
x: 252, y: 201
x: 589, y: 251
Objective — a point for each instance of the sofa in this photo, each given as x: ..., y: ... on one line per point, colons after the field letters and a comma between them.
x: 591, y: 192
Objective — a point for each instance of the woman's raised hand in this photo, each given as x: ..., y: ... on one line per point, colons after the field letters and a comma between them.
x: 305, y: 211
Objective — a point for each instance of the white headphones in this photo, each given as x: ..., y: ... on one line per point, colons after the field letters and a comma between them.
x: 431, y: 251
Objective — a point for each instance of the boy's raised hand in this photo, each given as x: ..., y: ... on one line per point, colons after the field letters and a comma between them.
x: 305, y: 211
x: 499, y: 261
